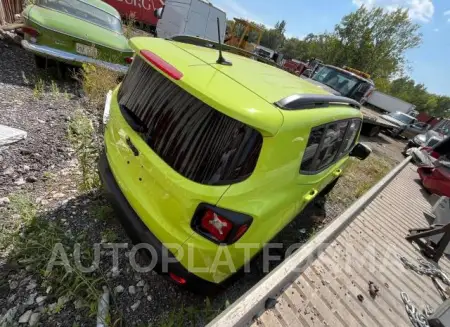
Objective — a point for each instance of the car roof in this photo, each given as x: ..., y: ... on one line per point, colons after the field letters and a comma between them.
x: 102, y: 6
x: 402, y: 113
x: 247, y: 90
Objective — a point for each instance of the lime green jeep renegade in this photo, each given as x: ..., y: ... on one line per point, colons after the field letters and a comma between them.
x: 204, y: 158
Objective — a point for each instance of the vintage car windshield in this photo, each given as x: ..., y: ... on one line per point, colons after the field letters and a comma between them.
x: 336, y: 79
x: 85, y: 12
x: 403, y: 118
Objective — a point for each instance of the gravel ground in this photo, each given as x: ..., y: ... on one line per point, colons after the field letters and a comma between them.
x: 45, y: 166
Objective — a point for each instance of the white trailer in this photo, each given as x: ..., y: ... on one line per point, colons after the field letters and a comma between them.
x: 385, y: 102
x: 191, y: 17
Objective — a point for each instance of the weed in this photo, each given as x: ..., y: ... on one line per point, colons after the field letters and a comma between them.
x: 54, y: 88
x: 66, y: 95
x: 23, y: 204
x: 128, y: 27
x: 109, y: 236
x: 48, y: 175
x: 103, y: 212
x: 39, y: 88
x: 96, y: 82
x: 83, y: 139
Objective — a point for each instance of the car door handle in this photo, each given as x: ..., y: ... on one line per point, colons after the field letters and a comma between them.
x: 311, y: 195
x: 337, y: 172
x: 132, y: 147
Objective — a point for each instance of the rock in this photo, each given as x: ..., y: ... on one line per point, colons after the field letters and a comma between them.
x: 58, y: 195
x: 8, y: 171
x: 140, y: 284
x: 34, y: 319
x: 78, y: 304
x: 9, y: 316
x: 20, y: 181
x: 31, y: 286
x: 63, y: 300
x: 12, y: 298
x: 48, y: 290
x: 149, y: 298
x: 118, y: 289
x: 44, y: 202
x: 302, y: 231
x: 26, y: 168
x: 51, y: 307
x: 31, y: 298
x: 31, y: 179
x: 13, y: 284
x: 135, y: 305
x: 115, y: 272
x: 4, y: 201
x: 40, y: 299
x: 25, y: 317
x: 146, y: 289
x: 132, y: 290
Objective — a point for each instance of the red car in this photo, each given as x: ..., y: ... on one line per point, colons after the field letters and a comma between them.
x: 436, y: 179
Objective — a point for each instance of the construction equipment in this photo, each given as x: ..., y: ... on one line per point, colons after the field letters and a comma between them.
x: 240, y: 33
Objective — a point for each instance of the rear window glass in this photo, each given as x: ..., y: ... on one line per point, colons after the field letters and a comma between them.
x: 85, y: 12
x: 329, y: 143
x: 196, y: 140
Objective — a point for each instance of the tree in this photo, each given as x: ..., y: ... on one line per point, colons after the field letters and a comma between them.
x: 274, y: 38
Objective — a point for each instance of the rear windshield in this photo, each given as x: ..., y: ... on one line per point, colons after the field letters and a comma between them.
x: 85, y: 12
x: 196, y: 140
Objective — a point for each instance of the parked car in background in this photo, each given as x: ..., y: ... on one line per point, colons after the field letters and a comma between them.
x: 76, y: 32
x: 403, y: 122
x: 428, y: 139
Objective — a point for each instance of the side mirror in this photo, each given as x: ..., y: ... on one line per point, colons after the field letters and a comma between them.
x: 158, y: 13
x: 360, y: 151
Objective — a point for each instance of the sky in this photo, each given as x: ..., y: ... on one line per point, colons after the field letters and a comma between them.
x: 430, y: 63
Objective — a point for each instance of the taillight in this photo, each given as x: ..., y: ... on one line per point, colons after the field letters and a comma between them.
x: 178, y: 279
x: 217, y: 226
x: 129, y: 60
x: 161, y: 64
x: 220, y: 225
x: 30, y: 31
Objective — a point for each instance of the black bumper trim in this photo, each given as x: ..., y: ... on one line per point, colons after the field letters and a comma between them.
x: 139, y: 233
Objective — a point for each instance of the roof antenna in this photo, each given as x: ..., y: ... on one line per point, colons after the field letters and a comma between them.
x: 221, y: 60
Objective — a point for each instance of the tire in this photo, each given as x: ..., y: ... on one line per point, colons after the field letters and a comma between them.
x: 41, y: 62
x: 374, y: 131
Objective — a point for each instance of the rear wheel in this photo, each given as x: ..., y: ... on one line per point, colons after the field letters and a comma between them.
x: 41, y: 62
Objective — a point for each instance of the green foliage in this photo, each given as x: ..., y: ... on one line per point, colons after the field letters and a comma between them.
x: 274, y: 38
x: 96, y: 82
x: 83, y: 139
x: 39, y: 88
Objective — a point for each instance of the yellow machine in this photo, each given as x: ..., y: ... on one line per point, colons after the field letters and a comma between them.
x: 239, y: 34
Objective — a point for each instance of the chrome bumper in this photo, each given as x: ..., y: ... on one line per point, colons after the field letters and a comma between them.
x: 68, y: 57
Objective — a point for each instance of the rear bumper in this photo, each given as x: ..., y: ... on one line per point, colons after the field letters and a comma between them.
x: 139, y: 233
x: 71, y: 58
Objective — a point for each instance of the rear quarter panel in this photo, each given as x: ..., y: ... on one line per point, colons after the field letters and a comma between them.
x: 274, y: 194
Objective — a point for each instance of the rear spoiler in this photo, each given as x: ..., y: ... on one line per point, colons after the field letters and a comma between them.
x: 215, y: 45
x: 311, y: 101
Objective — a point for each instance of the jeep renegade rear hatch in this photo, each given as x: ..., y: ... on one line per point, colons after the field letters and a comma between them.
x: 197, y: 141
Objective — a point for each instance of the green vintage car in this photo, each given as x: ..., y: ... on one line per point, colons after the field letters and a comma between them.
x: 76, y: 32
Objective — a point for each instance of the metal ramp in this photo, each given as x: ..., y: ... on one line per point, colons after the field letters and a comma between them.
x: 366, y: 250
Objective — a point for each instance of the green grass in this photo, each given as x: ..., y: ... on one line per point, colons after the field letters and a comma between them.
x: 84, y: 141
x: 54, y: 87
x: 39, y: 88
x: 358, y: 178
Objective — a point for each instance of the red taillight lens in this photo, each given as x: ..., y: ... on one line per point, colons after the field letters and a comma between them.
x: 241, y: 231
x: 129, y: 60
x: 178, y: 279
x: 219, y: 227
x: 30, y: 31
x: 162, y: 65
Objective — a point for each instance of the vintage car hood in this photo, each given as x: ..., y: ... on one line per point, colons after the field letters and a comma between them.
x: 77, y: 28
x: 392, y: 120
